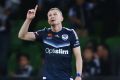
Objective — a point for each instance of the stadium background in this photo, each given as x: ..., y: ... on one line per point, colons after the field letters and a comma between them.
x: 105, y: 29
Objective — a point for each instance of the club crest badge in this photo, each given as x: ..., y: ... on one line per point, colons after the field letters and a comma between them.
x: 64, y: 37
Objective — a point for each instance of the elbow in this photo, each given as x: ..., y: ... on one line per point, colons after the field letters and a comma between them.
x: 20, y: 36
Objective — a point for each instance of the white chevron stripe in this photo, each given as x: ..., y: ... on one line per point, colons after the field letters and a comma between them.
x: 75, y: 34
x: 56, y: 46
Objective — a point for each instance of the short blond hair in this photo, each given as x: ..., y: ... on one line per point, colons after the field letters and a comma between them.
x: 56, y: 9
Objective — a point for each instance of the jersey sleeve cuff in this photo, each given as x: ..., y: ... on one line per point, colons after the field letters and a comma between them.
x: 36, y: 35
x: 76, y: 46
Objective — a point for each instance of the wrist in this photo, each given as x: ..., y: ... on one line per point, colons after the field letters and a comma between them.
x: 27, y: 19
x: 78, y: 75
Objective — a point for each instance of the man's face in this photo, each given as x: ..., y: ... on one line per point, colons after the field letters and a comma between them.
x: 23, y: 61
x: 88, y: 54
x: 102, y: 52
x: 54, y: 17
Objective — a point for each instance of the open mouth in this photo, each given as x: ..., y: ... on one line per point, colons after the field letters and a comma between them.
x: 52, y: 20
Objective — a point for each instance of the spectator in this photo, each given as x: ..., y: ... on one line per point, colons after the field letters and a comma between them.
x: 80, y: 16
x: 91, y: 67
x: 92, y: 43
x: 104, y: 56
x: 76, y: 16
x: 5, y: 27
x: 24, y: 69
x: 40, y: 4
x: 12, y: 5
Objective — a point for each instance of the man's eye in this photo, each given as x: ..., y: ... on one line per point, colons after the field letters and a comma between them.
x: 49, y: 15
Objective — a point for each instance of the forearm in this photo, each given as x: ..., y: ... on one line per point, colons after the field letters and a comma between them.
x: 24, y: 28
x: 79, y: 65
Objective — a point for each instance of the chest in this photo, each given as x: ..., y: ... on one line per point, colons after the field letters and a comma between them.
x: 56, y: 40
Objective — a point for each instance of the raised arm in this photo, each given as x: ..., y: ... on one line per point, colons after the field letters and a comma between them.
x: 23, y: 33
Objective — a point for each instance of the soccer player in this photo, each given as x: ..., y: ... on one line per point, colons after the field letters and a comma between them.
x: 58, y: 43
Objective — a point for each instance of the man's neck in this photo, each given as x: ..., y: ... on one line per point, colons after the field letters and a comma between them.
x: 56, y: 28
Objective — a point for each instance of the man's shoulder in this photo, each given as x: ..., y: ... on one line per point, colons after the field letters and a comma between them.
x: 44, y: 29
x: 41, y: 30
x: 72, y: 32
x: 68, y: 29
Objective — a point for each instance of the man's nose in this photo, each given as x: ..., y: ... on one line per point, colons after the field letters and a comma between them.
x: 52, y: 17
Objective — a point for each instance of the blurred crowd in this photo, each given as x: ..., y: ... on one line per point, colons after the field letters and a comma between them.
x: 98, y: 59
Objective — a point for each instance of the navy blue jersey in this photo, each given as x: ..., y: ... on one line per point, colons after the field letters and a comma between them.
x: 58, y: 52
